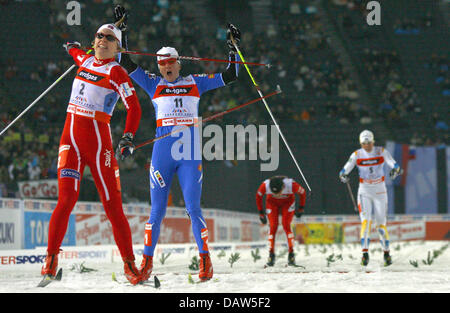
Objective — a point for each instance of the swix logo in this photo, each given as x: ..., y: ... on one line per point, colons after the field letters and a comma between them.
x: 107, y: 158
x: 90, y: 76
x: 175, y: 91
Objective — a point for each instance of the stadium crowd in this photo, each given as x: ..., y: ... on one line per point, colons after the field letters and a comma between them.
x: 309, y: 68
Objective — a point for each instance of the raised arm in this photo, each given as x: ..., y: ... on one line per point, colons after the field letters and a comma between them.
x: 348, y: 167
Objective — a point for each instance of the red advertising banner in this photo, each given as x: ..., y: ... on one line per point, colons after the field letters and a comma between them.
x: 93, y: 229
x: 430, y: 230
x: 437, y: 231
x: 178, y: 230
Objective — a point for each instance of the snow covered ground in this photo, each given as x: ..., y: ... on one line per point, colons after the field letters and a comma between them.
x: 327, y: 269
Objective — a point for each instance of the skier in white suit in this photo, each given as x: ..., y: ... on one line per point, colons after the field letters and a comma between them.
x: 372, y: 193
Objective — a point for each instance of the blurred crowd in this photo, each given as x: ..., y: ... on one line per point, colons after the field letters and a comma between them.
x: 317, y: 88
x: 439, y: 65
x: 26, y: 154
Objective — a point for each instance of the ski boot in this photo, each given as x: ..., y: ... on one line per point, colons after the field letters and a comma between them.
x: 146, y: 267
x: 131, y: 272
x: 206, y: 268
x: 50, y: 265
x: 291, y: 259
x: 387, y: 258
x: 365, y: 259
x: 271, y: 260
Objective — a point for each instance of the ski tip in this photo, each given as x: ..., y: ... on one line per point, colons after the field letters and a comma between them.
x: 59, y: 274
x: 157, y: 282
x: 190, y: 279
x: 113, y: 276
x: 45, y: 281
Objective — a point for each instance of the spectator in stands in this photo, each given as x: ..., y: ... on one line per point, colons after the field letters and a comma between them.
x: 428, y: 20
x: 11, y: 70
x: 34, y: 170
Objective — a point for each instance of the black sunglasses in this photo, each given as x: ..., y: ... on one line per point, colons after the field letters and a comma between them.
x: 108, y: 37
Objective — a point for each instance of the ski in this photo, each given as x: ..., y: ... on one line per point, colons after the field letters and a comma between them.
x: 295, y: 265
x: 47, y: 279
x: 313, y: 272
x: 286, y: 265
x: 156, y: 283
x: 192, y: 281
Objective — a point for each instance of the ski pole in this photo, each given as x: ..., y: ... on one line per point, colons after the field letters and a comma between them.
x: 181, y: 57
x: 209, y: 118
x: 355, y: 207
x: 38, y: 98
x: 269, y: 111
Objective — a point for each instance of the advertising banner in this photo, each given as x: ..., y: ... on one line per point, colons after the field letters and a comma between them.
x: 397, y: 231
x: 69, y: 255
x: 36, y: 229
x: 447, y: 153
x: 421, y: 182
x: 7, y: 203
x: 437, y: 231
x: 10, y: 229
x: 45, y: 188
x: 319, y: 233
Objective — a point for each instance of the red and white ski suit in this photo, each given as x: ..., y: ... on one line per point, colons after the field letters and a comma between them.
x: 284, y: 204
x: 86, y: 140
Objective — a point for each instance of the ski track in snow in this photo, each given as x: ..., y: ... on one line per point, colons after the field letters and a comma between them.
x: 247, y: 276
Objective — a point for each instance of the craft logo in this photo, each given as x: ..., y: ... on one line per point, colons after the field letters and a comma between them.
x: 67, y: 172
x: 89, y: 76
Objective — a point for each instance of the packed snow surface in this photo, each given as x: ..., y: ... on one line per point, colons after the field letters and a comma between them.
x: 418, y: 267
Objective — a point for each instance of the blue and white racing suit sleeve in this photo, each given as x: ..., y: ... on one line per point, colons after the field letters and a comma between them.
x: 145, y: 80
x: 206, y: 82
